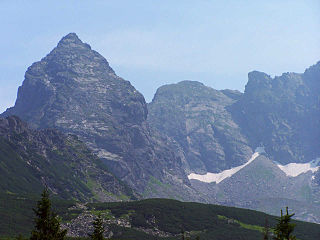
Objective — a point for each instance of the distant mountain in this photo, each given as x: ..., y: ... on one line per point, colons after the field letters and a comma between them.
x: 197, y: 117
x: 218, y: 129
x: 73, y: 89
x: 282, y: 114
x: 31, y: 159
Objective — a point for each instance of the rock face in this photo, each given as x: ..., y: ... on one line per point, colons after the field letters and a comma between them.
x: 283, y: 114
x: 74, y: 89
x: 197, y: 117
x: 31, y: 159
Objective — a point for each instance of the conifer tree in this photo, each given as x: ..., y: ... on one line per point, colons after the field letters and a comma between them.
x: 47, y: 225
x: 19, y: 237
x: 98, y: 229
x: 182, y: 234
x: 284, y: 228
x: 266, y: 230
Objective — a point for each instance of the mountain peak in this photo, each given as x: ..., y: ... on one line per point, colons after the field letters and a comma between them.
x: 258, y: 75
x: 190, y: 83
x: 71, y: 38
x: 313, y: 72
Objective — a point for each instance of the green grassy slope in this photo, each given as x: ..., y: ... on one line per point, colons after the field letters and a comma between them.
x: 30, y: 159
x: 16, y: 214
x: 24, y: 178
x: 210, y: 221
x: 169, y: 216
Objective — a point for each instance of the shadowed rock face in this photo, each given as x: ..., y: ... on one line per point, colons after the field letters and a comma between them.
x: 196, y: 117
x: 75, y: 90
x: 283, y: 114
x: 31, y: 159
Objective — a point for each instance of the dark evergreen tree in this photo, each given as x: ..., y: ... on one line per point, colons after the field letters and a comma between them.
x: 284, y: 228
x: 266, y: 230
x: 98, y: 229
x: 19, y: 237
x: 47, y: 225
x: 182, y: 234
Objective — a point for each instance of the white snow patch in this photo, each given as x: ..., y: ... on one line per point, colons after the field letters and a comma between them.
x: 295, y: 169
x: 260, y: 150
x: 219, y: 177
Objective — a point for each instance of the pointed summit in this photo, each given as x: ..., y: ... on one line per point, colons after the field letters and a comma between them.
x: 71, y: 37
x: 74, y: 55
x: 72, y: 40
x: 74, y: 89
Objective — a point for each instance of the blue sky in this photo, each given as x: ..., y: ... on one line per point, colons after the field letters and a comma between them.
x: 151, y: 43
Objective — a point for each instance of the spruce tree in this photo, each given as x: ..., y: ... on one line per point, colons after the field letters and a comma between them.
x: 47, y: 225
x: 284, y: 229
x: 19, y: 237
x: 98, y: 229
x: 266, y: 230
x: 182, y: 234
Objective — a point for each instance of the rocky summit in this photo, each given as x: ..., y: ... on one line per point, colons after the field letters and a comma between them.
x: 218, y: 131
x: 282, y: 114
x: 73, y: 89
x: 197, y: 117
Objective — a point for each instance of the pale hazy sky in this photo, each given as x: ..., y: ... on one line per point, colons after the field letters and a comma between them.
x: 155, y: 42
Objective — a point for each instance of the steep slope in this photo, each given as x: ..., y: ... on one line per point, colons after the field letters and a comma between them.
x: 260, y: 179
x: 282, y: 114
x: 196, y: 117
x: 74, y: 89
x: 263, y: 181
x: 30, y: 159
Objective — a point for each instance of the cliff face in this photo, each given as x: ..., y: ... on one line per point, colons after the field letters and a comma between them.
x: 31, y: 159
x: 197, y: 117
x: 217, y: 128
x: 74, y: 89
x: 283, y: 114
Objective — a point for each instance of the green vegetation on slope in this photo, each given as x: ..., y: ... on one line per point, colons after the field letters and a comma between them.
x: 30, y: 159
x: 171, y: 216
x: 163, y: 215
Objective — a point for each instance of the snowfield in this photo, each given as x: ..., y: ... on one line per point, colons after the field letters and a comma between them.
x: 219, y: 177
x: 291, y: 169
x: 295, y: 169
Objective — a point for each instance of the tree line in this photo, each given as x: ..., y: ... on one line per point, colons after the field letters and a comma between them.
x: 47, y: 225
